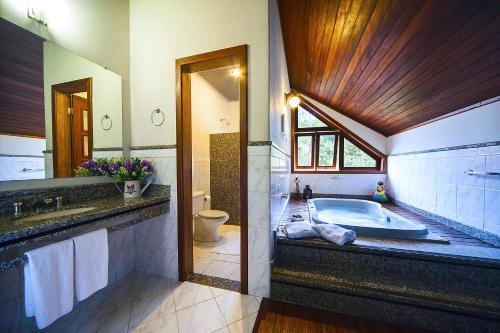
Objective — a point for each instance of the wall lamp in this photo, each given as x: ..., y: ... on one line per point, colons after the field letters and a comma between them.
x: 292, y: 99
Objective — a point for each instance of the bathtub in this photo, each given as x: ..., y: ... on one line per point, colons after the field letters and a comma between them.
x: 367, y: 218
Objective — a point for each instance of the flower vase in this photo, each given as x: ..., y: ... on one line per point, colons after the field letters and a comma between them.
x: 132, y: 189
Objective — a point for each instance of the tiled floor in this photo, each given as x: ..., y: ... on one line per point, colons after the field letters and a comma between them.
x: 150, y: 303
x: 220, y: 259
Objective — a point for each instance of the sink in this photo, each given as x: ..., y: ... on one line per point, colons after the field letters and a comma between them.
x: 57, y: 213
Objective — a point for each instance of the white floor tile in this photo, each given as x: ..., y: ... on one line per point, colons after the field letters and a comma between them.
x: 235, y: 306
x: 150, y: 307
x: 167, y: 324
x: 225, y: 270
x: 244, y: 325
x: 188, y: 294
x: 201, y: 318
x: 217, y: 291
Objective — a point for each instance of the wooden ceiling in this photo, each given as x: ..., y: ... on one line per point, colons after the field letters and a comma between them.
x: 393, y: 65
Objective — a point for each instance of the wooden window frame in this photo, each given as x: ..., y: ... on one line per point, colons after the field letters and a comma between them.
x: 341, y: 132
x: 335, y: 149
x: 313, y: 148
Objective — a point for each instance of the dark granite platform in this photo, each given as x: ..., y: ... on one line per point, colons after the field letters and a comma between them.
x: 109, y: 211
x: 443, y: 287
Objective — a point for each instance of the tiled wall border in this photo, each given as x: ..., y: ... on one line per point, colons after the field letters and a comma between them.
x: 260, y: 143
x: 474, y: 232
x: 108, y: 149
x: 152, y: 147
x: 12, y: 155
x: 476, y: 145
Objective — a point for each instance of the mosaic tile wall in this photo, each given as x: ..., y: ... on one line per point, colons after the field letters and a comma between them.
x: 225, y: 174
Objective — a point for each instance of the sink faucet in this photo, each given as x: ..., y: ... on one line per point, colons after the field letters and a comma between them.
x: 41, y: 205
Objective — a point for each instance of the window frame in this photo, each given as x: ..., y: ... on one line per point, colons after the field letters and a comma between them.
x: 296, y: 152
x: 335, y: 149
x: 340, y: 132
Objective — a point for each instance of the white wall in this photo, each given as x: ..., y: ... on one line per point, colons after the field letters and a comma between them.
x: 344, y: 184
x: 18, y: 153
x: 208, y: 106
x: 375, y: 139
x: 94, y: 29
x: 435, y: 181
x: 478, y: 125
x: 60, y: 65
x: 163, y: 31
x: 278, y: 108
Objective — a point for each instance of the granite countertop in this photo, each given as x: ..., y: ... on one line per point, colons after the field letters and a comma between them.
x: 12, y: 229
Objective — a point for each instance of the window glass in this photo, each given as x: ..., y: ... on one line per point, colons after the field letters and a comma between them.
x: 307, y: 120
x: 304, y: 150
x: 356, y: 158
x: 326, y: 150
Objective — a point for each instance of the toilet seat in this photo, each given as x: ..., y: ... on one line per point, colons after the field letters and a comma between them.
x: 212, y: 214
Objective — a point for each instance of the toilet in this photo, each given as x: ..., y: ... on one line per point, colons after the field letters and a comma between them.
x: 206, y: 222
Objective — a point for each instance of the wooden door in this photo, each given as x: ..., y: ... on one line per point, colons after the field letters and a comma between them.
x: 62, y: 135
x: 82, y: 140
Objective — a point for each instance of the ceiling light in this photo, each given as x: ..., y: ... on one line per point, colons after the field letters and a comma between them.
x: 236, y: 72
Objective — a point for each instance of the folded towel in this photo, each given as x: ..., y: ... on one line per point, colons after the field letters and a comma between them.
x: 335, y: 234
x: 299, y: 230
x: 91, y: 263
x: 48, y: 282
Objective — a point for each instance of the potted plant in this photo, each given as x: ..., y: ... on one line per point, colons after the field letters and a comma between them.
x: 130, y: 171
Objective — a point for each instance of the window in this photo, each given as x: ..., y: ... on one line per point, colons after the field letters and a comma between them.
x: 354, y: 157
x: 322, y: 145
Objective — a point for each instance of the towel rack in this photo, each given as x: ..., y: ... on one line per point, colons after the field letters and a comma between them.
x: 471, y: 172
x: 32, y: 170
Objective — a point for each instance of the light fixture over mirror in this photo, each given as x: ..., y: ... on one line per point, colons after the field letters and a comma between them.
x: 236, y: 72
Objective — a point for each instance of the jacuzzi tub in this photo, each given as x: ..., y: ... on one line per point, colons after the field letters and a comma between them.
x: 367, y: 218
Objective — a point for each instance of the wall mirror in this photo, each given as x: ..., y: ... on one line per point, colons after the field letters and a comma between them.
x: 52, y: 102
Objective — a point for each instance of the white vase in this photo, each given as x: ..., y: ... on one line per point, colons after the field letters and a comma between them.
x: 132, y: 189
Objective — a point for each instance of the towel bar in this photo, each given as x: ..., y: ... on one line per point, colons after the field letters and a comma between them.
x: 471, y: 172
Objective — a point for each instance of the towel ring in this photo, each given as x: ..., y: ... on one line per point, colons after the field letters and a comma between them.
x: 107, y: 118
x: 157, y: 122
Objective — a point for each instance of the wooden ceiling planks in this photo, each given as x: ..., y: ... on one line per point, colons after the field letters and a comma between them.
x: 391, y: 64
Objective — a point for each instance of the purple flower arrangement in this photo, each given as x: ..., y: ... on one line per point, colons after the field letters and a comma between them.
x: 128, y: 169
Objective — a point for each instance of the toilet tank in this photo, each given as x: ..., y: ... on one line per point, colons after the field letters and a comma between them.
x: 198, y: 201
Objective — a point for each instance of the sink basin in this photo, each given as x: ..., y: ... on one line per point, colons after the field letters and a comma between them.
x: 57, y: 213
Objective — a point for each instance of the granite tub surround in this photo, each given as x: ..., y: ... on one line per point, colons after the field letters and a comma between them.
x: 225, y: 174
x: 433, y: 183
x: 104, y: 201
x: 442, y: 293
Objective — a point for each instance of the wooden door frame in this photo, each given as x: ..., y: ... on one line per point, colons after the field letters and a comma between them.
x: 183, y: 68
x: 71, y: 87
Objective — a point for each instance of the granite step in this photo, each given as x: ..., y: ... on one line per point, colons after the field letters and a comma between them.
x: 488, y: 309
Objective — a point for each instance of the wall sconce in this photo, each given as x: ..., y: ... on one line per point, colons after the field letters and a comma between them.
x: 236, y: 73
x: 292, y: 99
x: 37, y: 15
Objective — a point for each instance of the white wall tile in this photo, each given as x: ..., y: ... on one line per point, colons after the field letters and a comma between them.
x: 446, y: 200
x: 477, y: 164
x: 470, y: 206
x: 492, y: 211
x: 259, y: 171
x: 447, y: 170
x: 493, y: 165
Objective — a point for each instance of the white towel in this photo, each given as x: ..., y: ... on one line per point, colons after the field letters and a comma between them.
x: 48, y: 282
x: 91, y: 263
x: 299, y: 230
x: 335, y: 234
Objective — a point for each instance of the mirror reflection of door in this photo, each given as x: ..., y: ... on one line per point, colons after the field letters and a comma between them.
x: 72, y: 125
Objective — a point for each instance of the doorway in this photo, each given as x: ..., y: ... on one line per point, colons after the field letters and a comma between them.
x: 71, y: 125
x: 234, y: 58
